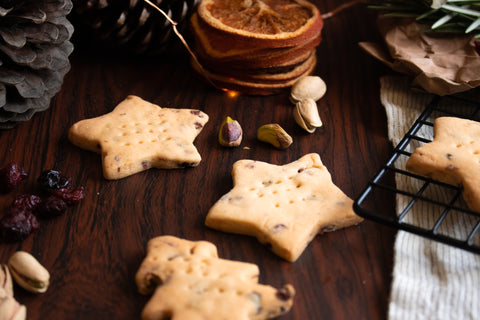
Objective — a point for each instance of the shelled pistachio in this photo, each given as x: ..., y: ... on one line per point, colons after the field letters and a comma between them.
x: 274, y: 134
x: 230, y: 133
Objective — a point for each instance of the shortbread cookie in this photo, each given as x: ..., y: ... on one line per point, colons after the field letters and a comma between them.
x: 138, y: 135
x: 282, y: 206
x: 189, y: 281
x: 452, y: 157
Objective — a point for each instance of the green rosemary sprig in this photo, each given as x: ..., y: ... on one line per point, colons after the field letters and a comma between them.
x: 448, y: 16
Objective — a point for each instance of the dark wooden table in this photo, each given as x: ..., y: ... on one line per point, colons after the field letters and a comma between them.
x: 94, y: 250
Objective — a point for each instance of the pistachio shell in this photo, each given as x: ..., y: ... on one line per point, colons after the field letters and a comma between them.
x: 28, y: 272
x: 306, y: 115
x: 21, y: 313
x: 312, y: 87
x: 10, y: 309
x: 6, y: 284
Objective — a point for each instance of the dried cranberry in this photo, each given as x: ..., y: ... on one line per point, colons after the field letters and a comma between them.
x: 52, y: 179
x: 70, y: 196
x: 51, y: 207
x: 11, y: 176
x: 26, y: 201
x: 17, y: 224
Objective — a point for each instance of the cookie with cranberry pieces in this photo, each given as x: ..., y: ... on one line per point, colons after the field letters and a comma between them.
x: 138, y: 135
x: 283, y: 206
x: 189, y: 281
x: 452, y: 157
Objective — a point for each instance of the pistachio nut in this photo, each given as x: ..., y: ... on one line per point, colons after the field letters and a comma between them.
x: 6, y: 284
x: 10, y: 309
x: 274, y: 134
x: 312, y: 87
x: 230, y: 133
x: 28, y: 272
x: 306, y: 115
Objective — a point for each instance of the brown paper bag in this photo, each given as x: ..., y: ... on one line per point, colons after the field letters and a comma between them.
x: 439, y: 64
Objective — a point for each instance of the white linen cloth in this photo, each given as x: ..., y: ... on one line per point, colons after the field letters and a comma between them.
x: 430, y: 280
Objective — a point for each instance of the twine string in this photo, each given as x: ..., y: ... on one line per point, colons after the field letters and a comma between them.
x: 341, y: 7
x: 184, y: 42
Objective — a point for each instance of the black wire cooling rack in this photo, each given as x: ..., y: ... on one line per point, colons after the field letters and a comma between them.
x: 448, y: 219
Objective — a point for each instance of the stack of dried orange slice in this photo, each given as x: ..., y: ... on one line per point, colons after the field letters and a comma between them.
x: 256, y: 46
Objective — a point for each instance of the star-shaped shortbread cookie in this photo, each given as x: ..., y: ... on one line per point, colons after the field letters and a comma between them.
x: 282, y: 206
x: 138, y: 135
x: 452, y: 157
x: 190, y: 281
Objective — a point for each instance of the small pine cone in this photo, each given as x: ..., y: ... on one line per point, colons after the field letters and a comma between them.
x: 133, y: 25
x: 34, y: 50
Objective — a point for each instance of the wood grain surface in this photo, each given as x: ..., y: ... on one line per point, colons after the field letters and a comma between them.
x: 94, y: 250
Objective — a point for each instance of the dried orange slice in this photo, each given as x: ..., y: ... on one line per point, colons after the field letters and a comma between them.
x: 255, y: 46
x: 279, y: 23
x: 269, y: 84
x: 212, y: 46
x: 266, y: 67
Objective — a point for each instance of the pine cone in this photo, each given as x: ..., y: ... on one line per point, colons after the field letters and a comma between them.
x: 133, y: 24
x: 34, y: 51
